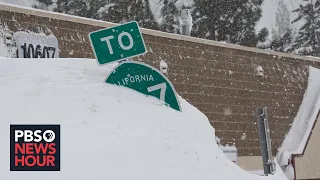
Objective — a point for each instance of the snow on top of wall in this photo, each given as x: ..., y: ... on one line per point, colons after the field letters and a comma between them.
x: 296, y: 140
x: 107, y: 131
x: 228, y: 148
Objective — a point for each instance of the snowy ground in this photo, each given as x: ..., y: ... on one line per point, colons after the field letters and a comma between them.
x: 107, y: 132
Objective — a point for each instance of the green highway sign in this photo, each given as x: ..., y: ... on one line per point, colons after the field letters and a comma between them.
x: 117, y: 43
x: 144, y: 79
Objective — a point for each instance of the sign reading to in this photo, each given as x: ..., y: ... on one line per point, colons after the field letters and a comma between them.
x: 34, y: 147
x: 144, y: 79
x: 117, y: 43
x: 36, y: 46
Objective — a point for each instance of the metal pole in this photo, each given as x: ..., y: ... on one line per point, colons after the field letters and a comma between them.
x: 263, y: 141
x: 124, y: 60
x: 269, y: 148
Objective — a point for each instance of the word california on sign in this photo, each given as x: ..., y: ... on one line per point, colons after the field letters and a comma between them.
x: 135, y: 79
x: 146, y: 80
x: 34, y: 147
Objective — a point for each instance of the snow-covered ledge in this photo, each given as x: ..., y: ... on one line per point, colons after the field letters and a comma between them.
x: 297, y: 138
x: 59, y: 16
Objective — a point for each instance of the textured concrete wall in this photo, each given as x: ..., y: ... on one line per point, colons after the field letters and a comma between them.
x: 308, y: 166
x: 217, y: 78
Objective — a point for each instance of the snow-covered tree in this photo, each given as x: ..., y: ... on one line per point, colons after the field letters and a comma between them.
x: 282, y: 20
x: 83, y: 8
x: 206, y: 22
x: 233, y: 21
x: 282, y: 35
x: 42, y: 4
x: 93, y: 7
x: 307, y: 41
x: 63, y: 6
x: 262, y: 35
x: 140, y: 11
x: 114, y: 11
x: 79, y: 8
x: 169, y: 16
x: 282, y: 43
x: 244, y: 16
x: 120, y: 11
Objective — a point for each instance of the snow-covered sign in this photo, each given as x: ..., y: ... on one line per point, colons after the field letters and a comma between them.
x: 31, y: 45
x: 146, y: 80
x: 117, y: 43
x: 231, y: 152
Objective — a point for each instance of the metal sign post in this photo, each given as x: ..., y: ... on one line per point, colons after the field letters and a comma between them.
x: 265, y: 141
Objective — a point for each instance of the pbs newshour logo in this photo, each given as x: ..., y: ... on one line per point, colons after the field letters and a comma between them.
x: 34, y: 147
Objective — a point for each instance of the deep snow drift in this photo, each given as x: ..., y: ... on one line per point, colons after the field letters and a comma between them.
x: 107, y: 132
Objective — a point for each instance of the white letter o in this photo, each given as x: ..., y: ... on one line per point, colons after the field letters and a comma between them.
x: 120, y: 41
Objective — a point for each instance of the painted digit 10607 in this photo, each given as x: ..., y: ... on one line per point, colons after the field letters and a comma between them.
x: 38, y: 52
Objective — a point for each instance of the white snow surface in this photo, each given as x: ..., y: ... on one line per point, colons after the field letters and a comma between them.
x: 107, y: 132
x: 301, y: 128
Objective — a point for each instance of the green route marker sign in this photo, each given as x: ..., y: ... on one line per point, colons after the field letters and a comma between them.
x: 117, y: 43
x: 146, y: 80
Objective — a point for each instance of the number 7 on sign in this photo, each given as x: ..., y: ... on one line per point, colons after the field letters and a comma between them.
x: 162, y: 87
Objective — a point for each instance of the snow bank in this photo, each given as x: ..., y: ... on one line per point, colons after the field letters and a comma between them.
x: 107, y: 132
x: 298, y: 135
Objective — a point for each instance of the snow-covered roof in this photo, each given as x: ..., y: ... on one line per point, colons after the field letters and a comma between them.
x: 297, y: 138
x: 66, y: 17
